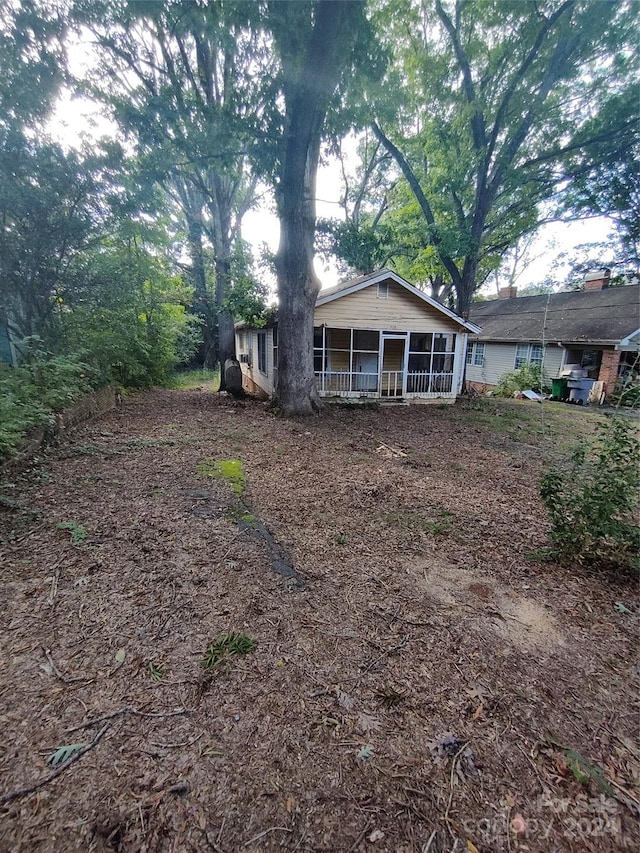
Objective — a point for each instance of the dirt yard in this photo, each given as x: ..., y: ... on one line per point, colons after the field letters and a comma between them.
x: 421, y: 679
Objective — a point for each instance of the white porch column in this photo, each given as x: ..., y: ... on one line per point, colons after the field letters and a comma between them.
x: 458, y: 361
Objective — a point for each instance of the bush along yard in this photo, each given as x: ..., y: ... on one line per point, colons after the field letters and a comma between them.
x: 222, y: 630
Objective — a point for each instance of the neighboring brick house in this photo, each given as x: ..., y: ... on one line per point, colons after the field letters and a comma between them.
x: 597, y: 329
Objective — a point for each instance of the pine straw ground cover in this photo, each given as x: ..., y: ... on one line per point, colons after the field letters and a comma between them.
x: 419, y: 681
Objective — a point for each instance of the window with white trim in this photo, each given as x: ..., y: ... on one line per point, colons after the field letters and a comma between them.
x: 475, y: 354
x: 529, y: 354
x: 478, y: 354
x: 383, y: 290
x: 522, y: 355
x: 535, y: 356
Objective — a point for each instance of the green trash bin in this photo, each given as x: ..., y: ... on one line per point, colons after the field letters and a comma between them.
x: 559, y: 389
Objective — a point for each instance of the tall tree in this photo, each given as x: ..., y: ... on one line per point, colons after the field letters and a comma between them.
x: 185, y: 80
x: 495, y: 96
x: 316, y: 41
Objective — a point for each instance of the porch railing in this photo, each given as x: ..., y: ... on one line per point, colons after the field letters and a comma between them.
x: 346, y: 382
x: 430, y: 384
x: 389, y: 384
x: 392, y: 383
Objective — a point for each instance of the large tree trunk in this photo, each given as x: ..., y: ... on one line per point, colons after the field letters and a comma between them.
x: 226, y: 331
x: 201, y: 302
x: 312, y: 67
x: 298, y: 284
x: 219, y: 204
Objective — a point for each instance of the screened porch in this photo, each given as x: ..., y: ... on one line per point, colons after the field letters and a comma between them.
x: 371, y: 363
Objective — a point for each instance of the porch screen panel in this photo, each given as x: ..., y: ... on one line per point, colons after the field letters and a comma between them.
x: 366, y: 346
x: 338, y: 360
x: 319, y: 358
x: 430, y: 364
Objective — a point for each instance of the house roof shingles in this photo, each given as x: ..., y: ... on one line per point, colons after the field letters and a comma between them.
x: 601, y: 316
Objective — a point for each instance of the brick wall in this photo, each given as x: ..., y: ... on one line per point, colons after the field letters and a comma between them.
x: 609, y: 370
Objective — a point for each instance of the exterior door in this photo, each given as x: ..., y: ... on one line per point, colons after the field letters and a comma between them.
x: 393, y: 373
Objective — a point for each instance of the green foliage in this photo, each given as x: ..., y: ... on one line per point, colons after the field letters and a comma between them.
x: 156, y: 672
x: 528, y: 376
x: 230, y: 470
x: 486, y: 104
x: 42, y: 385
x: 246, y: 297
x: 66, y: 753
x: 627, y: 395
x: 593, y: 506
x: 225, y: 646
x: 186, y: 379
x: 129, y: 314
x: 77, y: 531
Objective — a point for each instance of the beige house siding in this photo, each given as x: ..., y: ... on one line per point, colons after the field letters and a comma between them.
x: 401, y: 311
x: 500, y: 358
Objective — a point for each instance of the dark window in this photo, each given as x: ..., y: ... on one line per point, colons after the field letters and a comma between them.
x: 262, y: 352
x: 419, y: 363
x: 366, y: 341
x: 420, y: 342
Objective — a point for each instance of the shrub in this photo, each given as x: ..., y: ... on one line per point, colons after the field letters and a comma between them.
x: 42, y: 385
x: 593, y: 505
x: 626, y: 395
x: 525, y: 377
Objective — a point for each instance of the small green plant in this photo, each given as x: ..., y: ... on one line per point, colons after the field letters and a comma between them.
x: 230, y: 470
x: 77, y: 531
x: 341, y: 539
x: 583, y: 770
x: 156, y: 672
x: 593, y: 505
x: 226, y: 646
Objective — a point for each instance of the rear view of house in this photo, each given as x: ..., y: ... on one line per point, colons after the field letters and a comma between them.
x: 596, y: 331
x: 375, y: 337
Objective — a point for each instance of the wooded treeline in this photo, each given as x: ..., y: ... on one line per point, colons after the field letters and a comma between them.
x: 476, y: 121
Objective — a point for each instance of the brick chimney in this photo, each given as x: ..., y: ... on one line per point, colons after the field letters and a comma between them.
x: 507, y: 292
x: 597, y: 280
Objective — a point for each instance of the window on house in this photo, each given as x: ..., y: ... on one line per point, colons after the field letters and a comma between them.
x: 275, y: 347
x: 262, y: 352
x: 522, y: 355
x: 528, y: 354
x: 536, y: 354
x: 383, y: 290
x: 478, y: 354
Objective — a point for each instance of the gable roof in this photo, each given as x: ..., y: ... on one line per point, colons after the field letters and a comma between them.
x: 602, y: 316
x: 353, y: 285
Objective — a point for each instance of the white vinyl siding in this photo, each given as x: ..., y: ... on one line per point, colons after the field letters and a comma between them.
x: 264, y: 380
x: 500, y: 358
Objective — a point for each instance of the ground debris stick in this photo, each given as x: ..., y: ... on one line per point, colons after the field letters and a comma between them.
x: 29, y: 789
